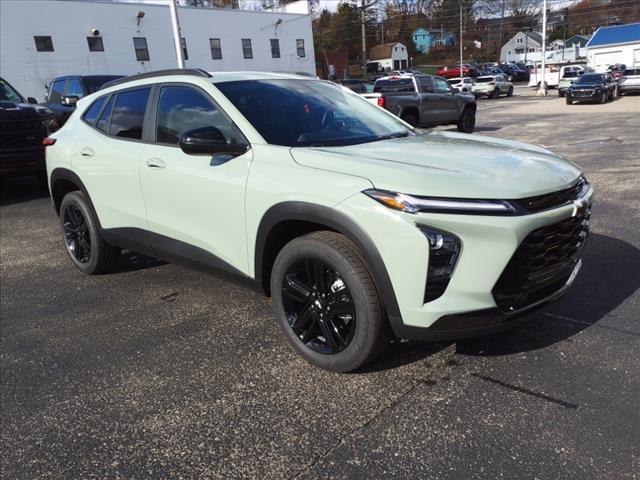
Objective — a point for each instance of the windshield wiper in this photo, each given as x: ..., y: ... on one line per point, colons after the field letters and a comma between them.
x: 391, y: 135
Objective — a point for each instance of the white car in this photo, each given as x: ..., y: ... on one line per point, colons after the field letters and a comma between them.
x: 463, y: 84
x: 492, y: 86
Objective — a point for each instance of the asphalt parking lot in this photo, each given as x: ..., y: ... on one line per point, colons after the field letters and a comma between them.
x: 155, y: 371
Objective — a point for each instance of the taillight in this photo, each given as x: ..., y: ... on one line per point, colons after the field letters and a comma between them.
x: 381, y: 101
x: 48, y: 141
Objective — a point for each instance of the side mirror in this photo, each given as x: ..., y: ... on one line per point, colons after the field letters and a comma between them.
x: 32, y: 100
x: 209, y: 141
x: 69, y: 100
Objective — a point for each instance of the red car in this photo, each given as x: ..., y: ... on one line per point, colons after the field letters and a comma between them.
x: 453, y: 71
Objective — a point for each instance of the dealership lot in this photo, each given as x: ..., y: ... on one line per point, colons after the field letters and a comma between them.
x: 155, y: 371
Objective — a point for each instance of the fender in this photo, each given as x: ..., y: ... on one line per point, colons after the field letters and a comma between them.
x: 341, y: 223
x: 70, y: 176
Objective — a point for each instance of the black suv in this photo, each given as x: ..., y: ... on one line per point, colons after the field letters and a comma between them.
x: 64, y: 92
x: 23, y: 126
x: 592, y: 87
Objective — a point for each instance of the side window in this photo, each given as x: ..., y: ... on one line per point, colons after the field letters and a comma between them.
x: 426, y: 83
x: 75, y: 88
x: 128, y: 113
x: 181, y: 109
x: 103, y: 123
x: 56, y: 91
x: 441, y: 86
x: 91, y: 115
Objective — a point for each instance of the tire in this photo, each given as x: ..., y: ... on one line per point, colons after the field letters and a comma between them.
x: 495, y: 93
x: 82, y: 237
x: 510, y: 92
x: 561, y: 94
x: 410, y: 118
x: 569, y: 101
x: 327, y: 263
x: 467, y: 121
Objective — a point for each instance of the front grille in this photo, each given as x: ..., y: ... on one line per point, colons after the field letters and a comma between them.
x: 583, y: 93
x: 542, y: 264
x: 554, y: 199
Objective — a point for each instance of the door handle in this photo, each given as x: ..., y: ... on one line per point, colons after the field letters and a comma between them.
x: 156, y: 163
x: 87, y: 152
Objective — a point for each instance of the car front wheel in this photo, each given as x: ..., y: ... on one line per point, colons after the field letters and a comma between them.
x: 467, y: 121
x: 569, y: 101
x: 326, y: 302
x: 86, y: 246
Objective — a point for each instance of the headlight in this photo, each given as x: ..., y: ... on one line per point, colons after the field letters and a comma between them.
x: 412, y: 204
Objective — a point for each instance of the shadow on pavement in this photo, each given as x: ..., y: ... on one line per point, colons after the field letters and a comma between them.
x: 131, y: 261
x: 21, y: 189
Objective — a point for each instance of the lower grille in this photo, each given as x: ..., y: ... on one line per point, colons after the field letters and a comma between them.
x: 542, y: 264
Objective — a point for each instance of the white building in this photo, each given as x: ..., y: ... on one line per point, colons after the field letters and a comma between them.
x: 43, y: 39
x: 617, y: 44
x: 390, y: 56
x: 520, y: 45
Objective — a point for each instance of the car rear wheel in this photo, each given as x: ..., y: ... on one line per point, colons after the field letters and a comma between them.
x: 560, y: 93
x: 326, y: 302
x: 411, y: 118
x: 467, y: 121
x: 569, y: 101
x: 84, y: 242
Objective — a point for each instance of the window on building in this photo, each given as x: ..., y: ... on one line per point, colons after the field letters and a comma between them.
x: 43, y: 44
x: 181, y: 109
x: 216, y: 48
x: 95, y: 44
x: 275, y: 48
x: 75, y: 89
x: 247, y: 51
x: 103, y: 123
x: 91, y: 115
x: 300, y: 47
x: 128, y: 113
x: 185, y: 53
x: 56, y: 91
x: 142, y: 52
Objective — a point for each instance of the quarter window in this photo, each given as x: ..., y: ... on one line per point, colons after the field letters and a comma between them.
x: 140, y: 46
x: 43, y: 44
x: 216, y: 48
x: 300, y: 47
x: 247, y: 51
x: 91, y: 115
x: 103, y: 123
x: 181, y: 109
x: 275, y: 48
x: 128, y: 113
x: 57, y: 91
x: 95, y: 44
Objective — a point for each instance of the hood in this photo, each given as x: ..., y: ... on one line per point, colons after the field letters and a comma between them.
x: 448, y: 164
x: 10, y: 111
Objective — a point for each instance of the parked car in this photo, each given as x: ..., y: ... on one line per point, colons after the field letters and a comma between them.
x: 358, y: 86
x: 425, y: 100
x: 629, y: 81
x: 356, y: 225
x: 592, y: 87
x: 566, y: 81
x: 514, y: 73
x: 461, y: 84
x: 64, y: 92
x: 453, y: 71
x: 492, y: 86
x: 616, y: 70
x: 23, y: 127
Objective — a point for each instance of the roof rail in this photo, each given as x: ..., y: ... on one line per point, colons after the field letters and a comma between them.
x: 196, y: 72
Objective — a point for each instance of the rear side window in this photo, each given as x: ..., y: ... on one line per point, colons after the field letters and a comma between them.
x: 128, y: 113
x: 91, y: 115
x: 103, y: 123
x: 394, y: 86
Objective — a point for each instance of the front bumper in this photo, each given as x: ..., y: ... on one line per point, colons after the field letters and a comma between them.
x: 584, y: 95
x: 468, y: 306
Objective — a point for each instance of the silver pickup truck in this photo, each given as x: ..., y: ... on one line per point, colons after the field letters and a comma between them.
x: 424, y: 101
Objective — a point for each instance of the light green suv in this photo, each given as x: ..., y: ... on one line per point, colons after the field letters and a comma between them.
x: 359, y: 227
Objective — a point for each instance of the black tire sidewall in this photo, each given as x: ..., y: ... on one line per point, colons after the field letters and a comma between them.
x: 467, y: 112
x: 352, y: 356
x: 77, y: 199
x: 410, y: 118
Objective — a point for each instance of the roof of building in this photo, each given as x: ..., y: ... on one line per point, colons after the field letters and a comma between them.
x: 382, y: 51
x: 535, y: 36
x: 420, y: 31
x: 616, y: 35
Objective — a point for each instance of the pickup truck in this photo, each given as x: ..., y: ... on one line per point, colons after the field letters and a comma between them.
x: 425, y: 101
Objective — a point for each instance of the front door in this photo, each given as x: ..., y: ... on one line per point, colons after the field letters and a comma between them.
x: 448, y: 100
x: 195, y: 203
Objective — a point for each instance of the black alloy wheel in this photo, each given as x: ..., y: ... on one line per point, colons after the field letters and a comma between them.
x: 319, y: 306
x: 467, y: 121
x: 76, y: 233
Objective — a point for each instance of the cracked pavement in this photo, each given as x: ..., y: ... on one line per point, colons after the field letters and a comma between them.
x: 156, y: 371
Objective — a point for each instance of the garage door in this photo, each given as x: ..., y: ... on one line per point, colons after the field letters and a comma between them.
x: 602, y: 60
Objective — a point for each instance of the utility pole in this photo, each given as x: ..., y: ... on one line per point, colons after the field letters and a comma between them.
x: 542, y: 91
x: 461, y: 53
x: 364, y: 41
x: 382, y: 32
x: 177, y: 37
x: 501, y: 23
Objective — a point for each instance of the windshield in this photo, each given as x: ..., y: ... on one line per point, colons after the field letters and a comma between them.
x: 395, y: 85
x: 302, y: 113
x: 93, y: 84
x: 590, y: 78
x: 7, y: 93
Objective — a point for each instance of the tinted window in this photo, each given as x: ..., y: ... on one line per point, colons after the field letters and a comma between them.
x: 91, y: 115
x: 299, y: 113
x: 74, y: 89
x: 93, y: 83
x: 632, y: 71
x: 181, y: 109
x: 95, y: 44
x: 57, y: 91
x: 275, y: 48
x: 103, y: 123
x: 216, y: 48
x: 590, y: 78
x: 140, y: 46
x: 389, y: 86
x: 128, y: 113
x: 8, y: 93
x: 44, y: 44
x: 441, y: 86
x: 426, y: 83
x: 300, y: 47
x: 247, y: 51
x: 185, y: 53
